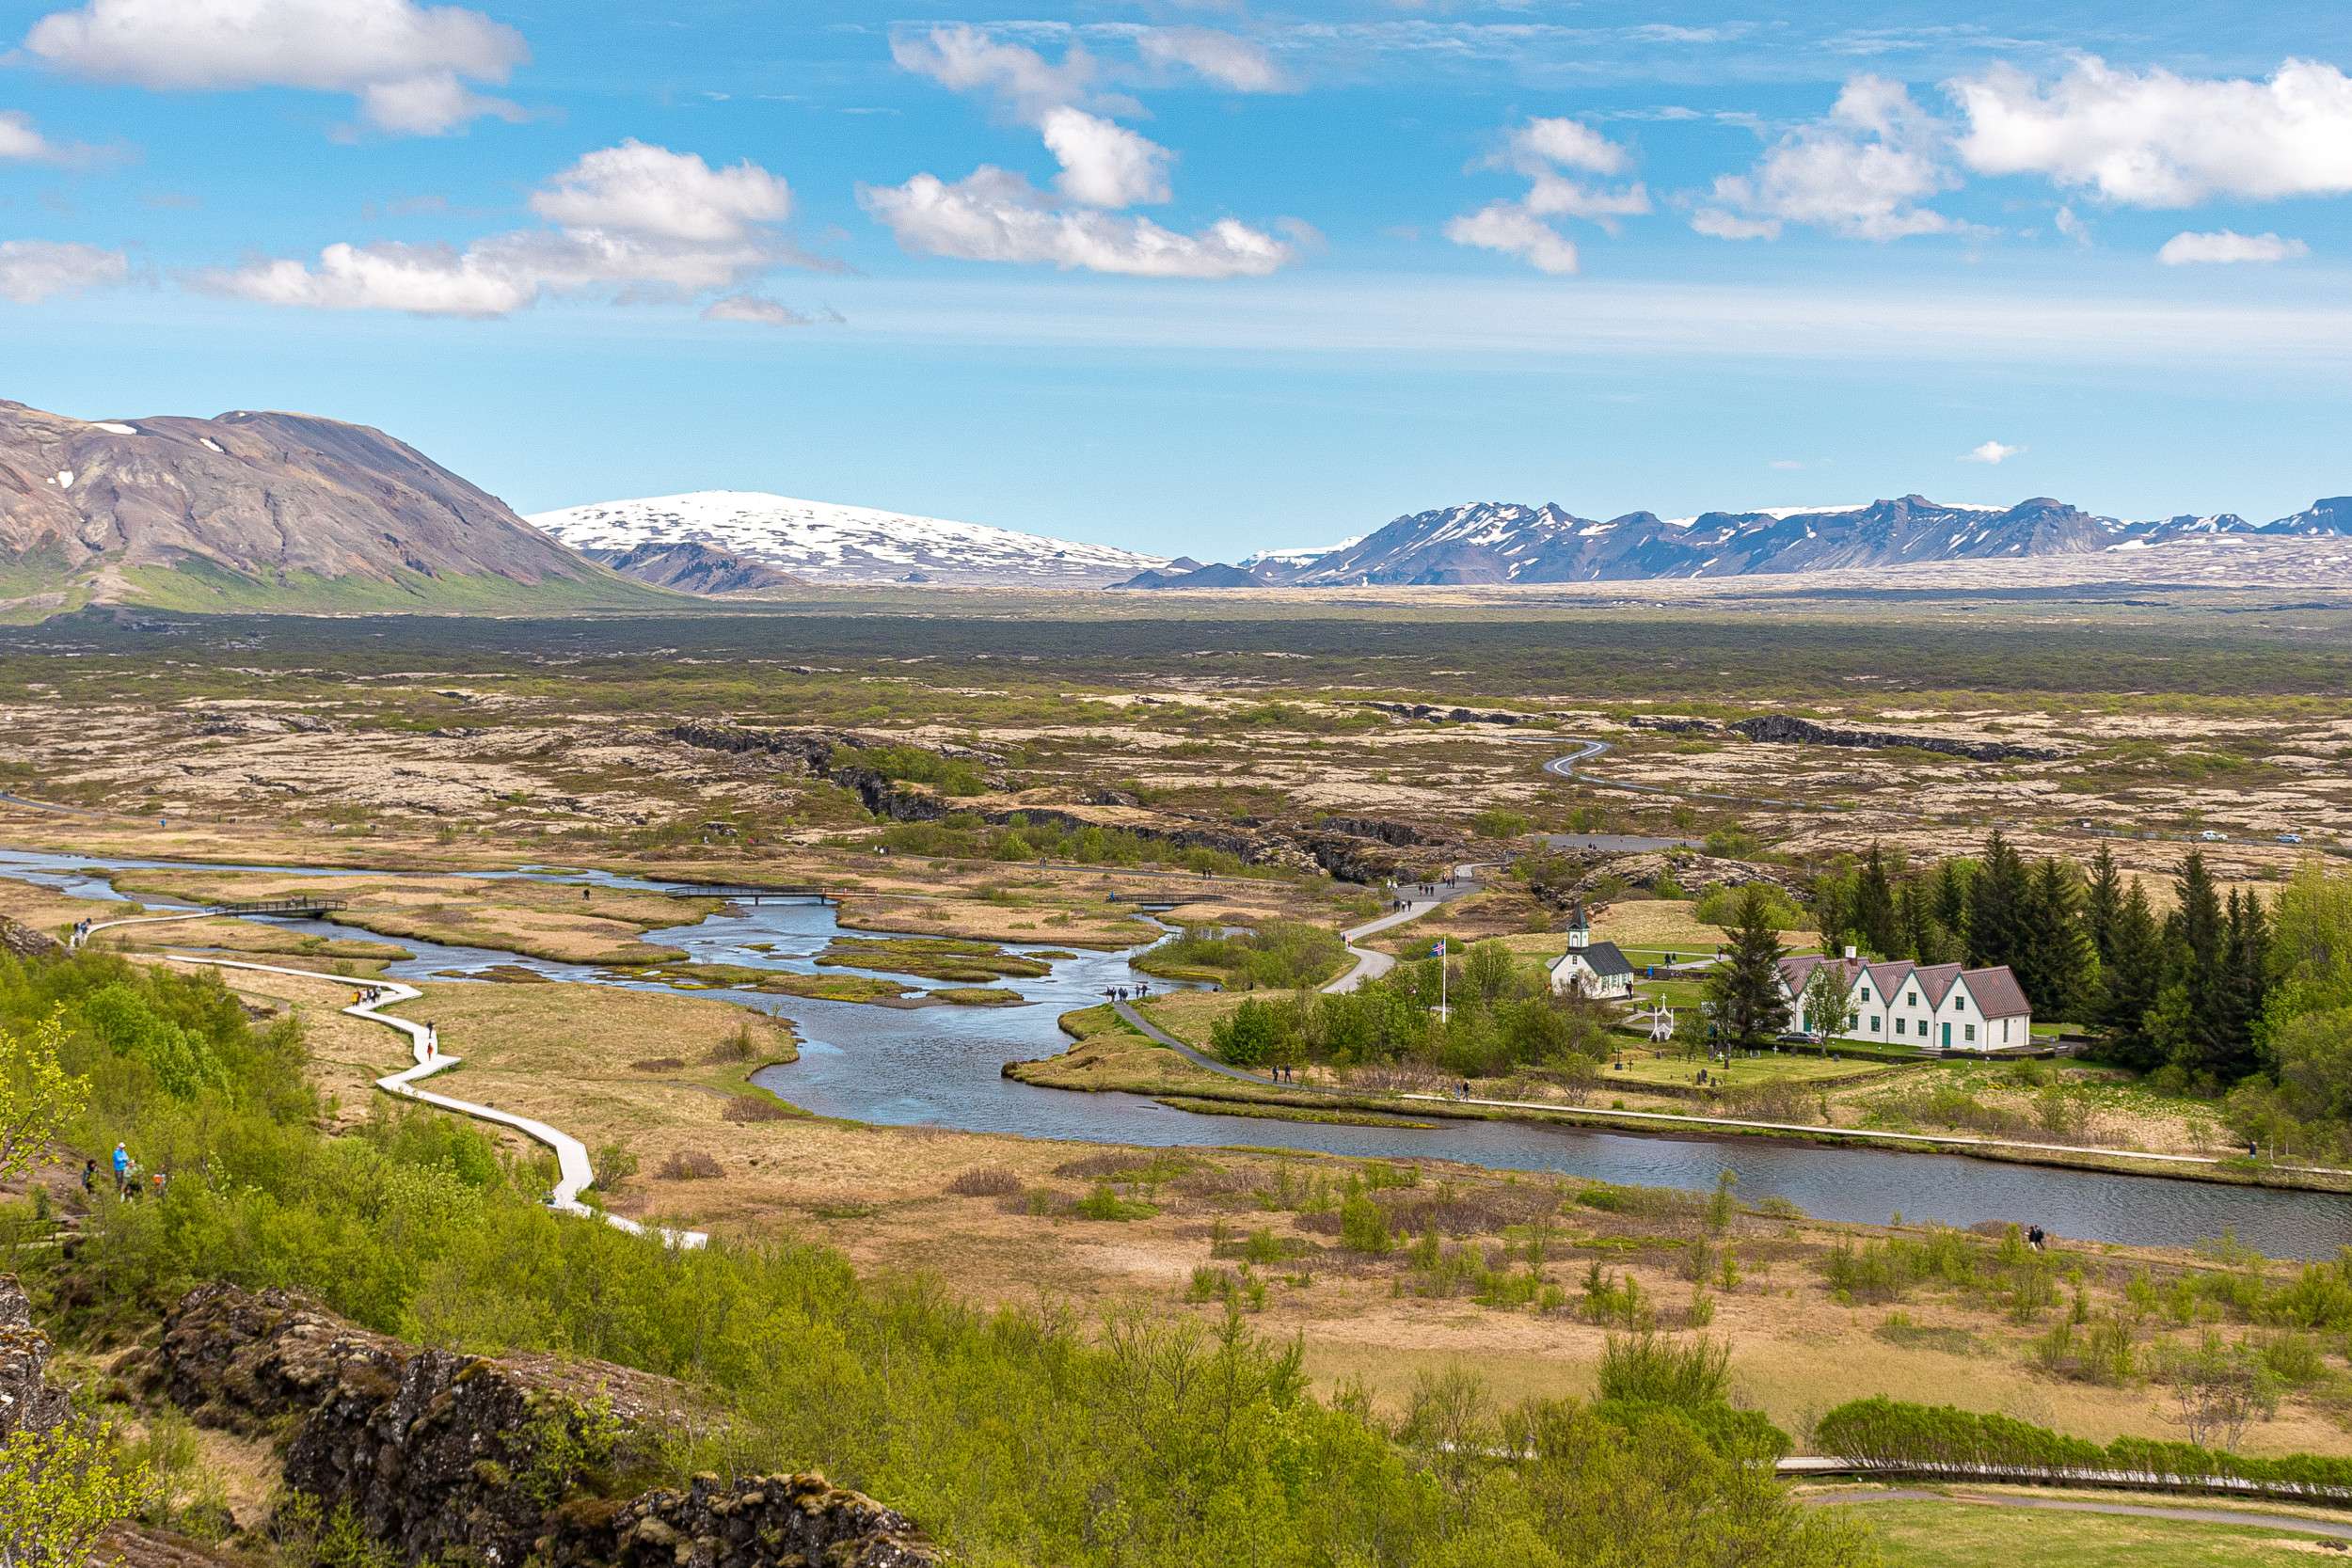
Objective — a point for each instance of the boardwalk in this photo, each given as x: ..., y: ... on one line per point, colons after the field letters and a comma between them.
x: 571, y: 1156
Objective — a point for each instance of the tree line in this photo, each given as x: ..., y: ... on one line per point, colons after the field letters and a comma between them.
x: 2228, y: 992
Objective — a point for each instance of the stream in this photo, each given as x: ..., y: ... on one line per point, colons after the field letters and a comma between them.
x: 940, y: 1065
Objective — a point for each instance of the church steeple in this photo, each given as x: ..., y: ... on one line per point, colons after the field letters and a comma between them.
x: 1579, y: 930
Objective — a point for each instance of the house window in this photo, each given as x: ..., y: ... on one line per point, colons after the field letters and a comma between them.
x: 1971, y: 1030
x: 1899, y: 1027
x: 1914, y: 999
x: 1865, y: 993
x: 1874, y: 1023
x: 1959, y: 1001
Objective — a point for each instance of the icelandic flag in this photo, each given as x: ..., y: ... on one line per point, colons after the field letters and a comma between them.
x: 1437, y: 949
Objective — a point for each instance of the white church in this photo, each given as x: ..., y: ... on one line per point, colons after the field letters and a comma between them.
x: 1589, y: 968
x: 1929, y: 1006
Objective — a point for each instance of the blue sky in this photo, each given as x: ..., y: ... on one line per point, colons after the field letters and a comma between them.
x: 1210, y: 277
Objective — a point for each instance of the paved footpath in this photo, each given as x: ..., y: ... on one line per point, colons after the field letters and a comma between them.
x: 1370, y: 963
x: 571, y: 1155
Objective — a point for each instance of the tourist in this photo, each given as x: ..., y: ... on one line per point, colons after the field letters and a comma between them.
x: 122, y: 1168
x: 90, y: 1178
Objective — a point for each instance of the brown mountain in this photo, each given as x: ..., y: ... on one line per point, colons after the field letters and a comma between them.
x: 691, y: 567
x: 263, y: 511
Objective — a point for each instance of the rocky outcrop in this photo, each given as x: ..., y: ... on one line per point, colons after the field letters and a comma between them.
x: 1560, y: 880
x: 495, y: 1461
x: 27, y: 1403
x: 1432, y: 712
x: 1782, y: 730
x: 1673, y: 725
x: 21, y: 940
x: 765, y: 1522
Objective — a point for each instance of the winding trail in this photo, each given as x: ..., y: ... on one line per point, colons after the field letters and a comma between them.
x: 571, y: 1155
x: 1370, y: 963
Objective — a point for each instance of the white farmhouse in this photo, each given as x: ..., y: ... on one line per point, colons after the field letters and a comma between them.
x: 1929, y: 1006
x: 1589, y: 968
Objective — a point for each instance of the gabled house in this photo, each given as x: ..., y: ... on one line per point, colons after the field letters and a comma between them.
x: 1930, y: 1006
x: 1589, y: 968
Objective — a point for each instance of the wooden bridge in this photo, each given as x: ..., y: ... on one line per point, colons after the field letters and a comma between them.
x: 745, y: 895
x: 306, y: 909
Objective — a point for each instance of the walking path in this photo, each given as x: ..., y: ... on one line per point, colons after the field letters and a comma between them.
x: 1370, y: 963
x: 2248, y: 1518
x: 1158, y: 1035
x: 571, y: 1155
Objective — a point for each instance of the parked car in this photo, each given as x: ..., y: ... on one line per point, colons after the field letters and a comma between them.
x: 2290, y: 838
x: 2214, y: 835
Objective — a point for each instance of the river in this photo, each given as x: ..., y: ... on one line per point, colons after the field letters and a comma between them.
x: 941, y: 1067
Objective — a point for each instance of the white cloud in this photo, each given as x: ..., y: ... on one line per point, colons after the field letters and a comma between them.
x: 2154, y: 139
x: 1540, y: 149
x: 1860, y: 173
x: 1565, y: 144
x: 2229, y: 245
x: 638, y: 189
x: 1717, y: 224
x: 2070, y: 224
x: 1233, y: 63
x: 407, y: 64
x: 1509, y: 228
x: 1552, y: 196
x: 629, y: 220
x: 963, y: 58
x: 996, y: 216
x: 35, y: 270
x: 1991, y: 451
x: 19, y: 141
x: 1104, y: 164
x: 756, y: 309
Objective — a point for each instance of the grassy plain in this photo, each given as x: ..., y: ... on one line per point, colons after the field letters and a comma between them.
x: 1239, y: 730
x: 1973, y: 1533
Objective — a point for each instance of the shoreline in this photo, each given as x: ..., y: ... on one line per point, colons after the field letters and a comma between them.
x: 1243, y: 1090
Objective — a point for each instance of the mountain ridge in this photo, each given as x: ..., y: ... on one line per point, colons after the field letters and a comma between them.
x: 1500, y: 543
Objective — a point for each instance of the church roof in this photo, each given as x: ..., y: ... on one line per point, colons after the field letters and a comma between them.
x: 1604, y: 958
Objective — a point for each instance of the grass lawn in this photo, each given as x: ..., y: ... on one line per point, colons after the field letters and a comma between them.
x: 1977, y: 1535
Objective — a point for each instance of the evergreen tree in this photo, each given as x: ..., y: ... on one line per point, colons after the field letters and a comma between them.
x: 2129, y: 982
x: 1873, y: 913
x: 2194, y: 1007
x: 2103, y: 902
x: 1996, y: 905
x: 1834, y: 911
x: 2245, y: 985
x: 1951, y: 897
x: 1914, y: 917
x: 1744, y: 987
x: 2055, y: 962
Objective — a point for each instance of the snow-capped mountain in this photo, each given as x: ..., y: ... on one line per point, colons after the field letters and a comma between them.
x: 1276, y: 561
x: 1499, y: 543
x: 1495, y: 542
x: 2330, y: 516
x: 822, y: 543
